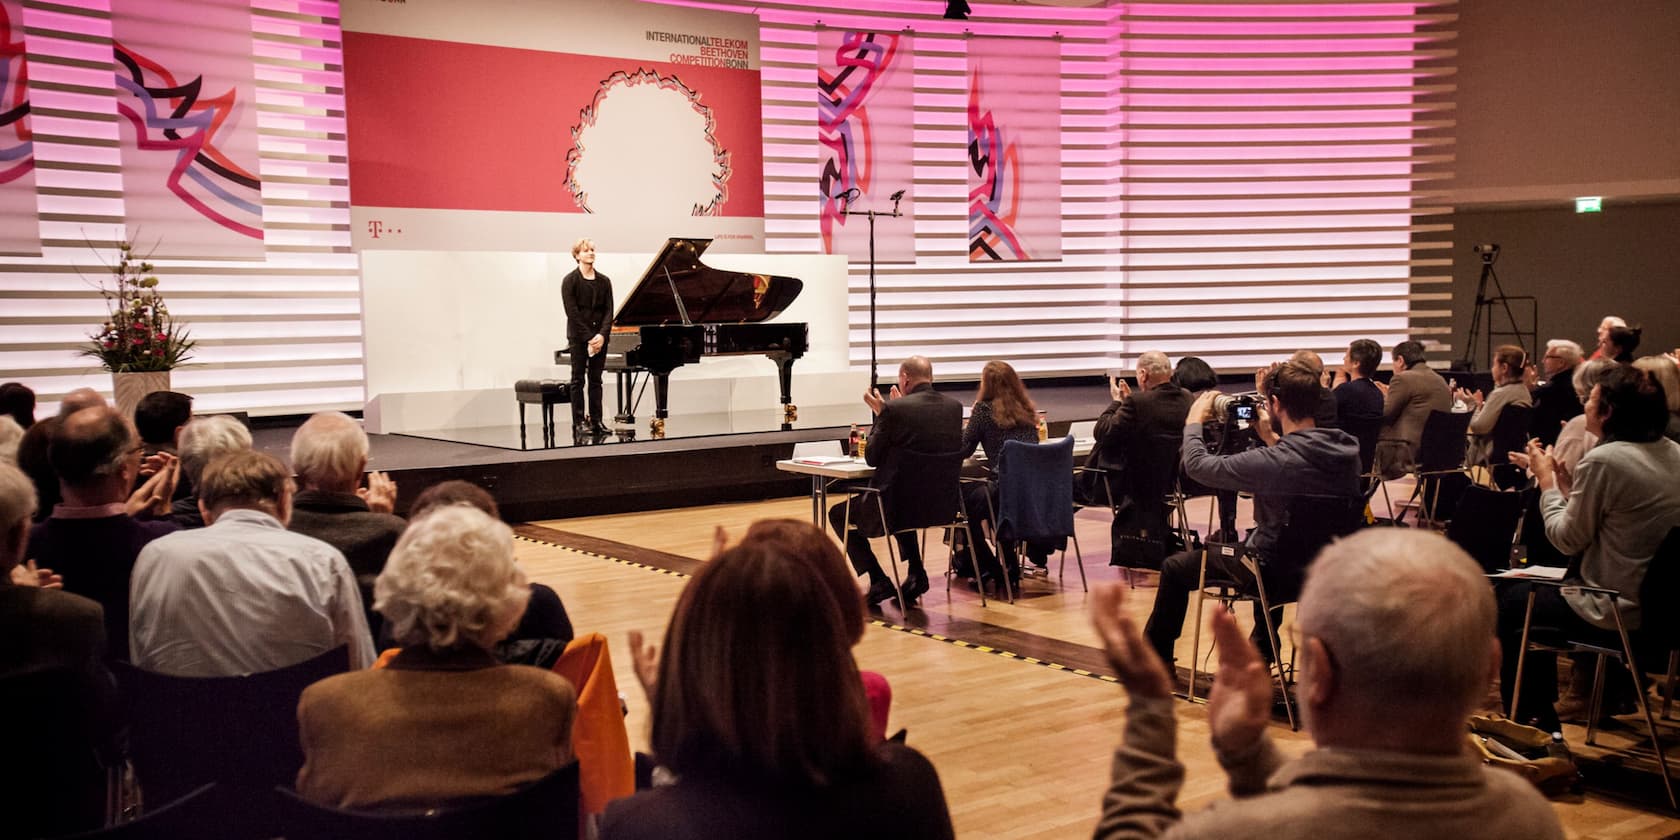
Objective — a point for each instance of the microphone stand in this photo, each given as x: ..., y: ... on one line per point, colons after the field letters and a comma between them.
x: 872, y: 215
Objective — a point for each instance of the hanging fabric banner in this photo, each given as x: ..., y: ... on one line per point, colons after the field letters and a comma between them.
x: 1014, y: 149
x: 865, y: 115
x: 187, y: 112
x: 20, y: 220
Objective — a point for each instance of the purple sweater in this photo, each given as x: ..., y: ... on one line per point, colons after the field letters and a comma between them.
x: 96, y: 557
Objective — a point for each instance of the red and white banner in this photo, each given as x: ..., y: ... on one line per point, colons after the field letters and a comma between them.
x: 1014, y: 149
x: 187, y: 114
x: 865, y: 128
x: 508, y: 125
x: 20, y: 220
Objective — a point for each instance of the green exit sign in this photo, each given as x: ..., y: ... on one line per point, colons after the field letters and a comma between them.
x: 1589, y: 204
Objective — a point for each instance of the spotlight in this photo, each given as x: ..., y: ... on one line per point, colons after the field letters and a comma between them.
x: 956, y: 10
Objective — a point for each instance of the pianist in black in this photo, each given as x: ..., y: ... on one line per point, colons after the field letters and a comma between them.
x: 587, y: 295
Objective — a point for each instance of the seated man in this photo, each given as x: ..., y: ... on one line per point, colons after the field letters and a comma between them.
x: 1137, y: 443
x: 1385, y: 709
x: 1623, y: 502
x: 90, y: 539
x: 1555, y: 400
x: 204, y: 440
x: 1304, y: 460
x: 329, y: 454
x: 1414, y: 391
x: 243, y: 595
x: 1328, y: 407
x: 915, y: 417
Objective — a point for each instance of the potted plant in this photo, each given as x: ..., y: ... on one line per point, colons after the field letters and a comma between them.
x: 140, y: 343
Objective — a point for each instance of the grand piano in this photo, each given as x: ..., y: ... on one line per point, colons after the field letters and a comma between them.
x: 681, y: 310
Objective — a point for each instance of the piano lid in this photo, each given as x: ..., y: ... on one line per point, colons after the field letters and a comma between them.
x: 709, y: 295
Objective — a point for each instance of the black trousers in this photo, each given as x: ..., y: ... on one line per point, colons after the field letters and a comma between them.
x: 866, y: 522
x: 1179, y: 575
x: 583, y: 363
x: 1539, y: 674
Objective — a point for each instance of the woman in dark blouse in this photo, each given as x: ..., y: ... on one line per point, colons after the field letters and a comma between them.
x: 1002, y: 411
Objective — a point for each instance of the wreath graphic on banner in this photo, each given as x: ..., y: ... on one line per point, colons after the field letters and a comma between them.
x: 647, y: 142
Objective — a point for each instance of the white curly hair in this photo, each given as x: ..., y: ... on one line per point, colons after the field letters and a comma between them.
x: 451, y: 580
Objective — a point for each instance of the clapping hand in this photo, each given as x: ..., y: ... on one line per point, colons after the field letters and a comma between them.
x: 1474, y: 398
x: 1140, y: 670
x: 872, y: 398
x: 644, y: 660
x: 1240, y: 705
x: 28, y: 574
x: 1118, y: 390
x: 155, y: 494
x: 380, y: 493
x: 1538, y: 460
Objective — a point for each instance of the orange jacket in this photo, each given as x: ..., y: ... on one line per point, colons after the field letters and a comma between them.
x: 606, y: 768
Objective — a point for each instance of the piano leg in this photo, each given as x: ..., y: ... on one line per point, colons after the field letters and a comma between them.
x: 661, y: 394
x: 784, y: 376
x: 626, y: 397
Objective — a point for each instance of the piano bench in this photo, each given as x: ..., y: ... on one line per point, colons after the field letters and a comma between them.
x: 544, y: 393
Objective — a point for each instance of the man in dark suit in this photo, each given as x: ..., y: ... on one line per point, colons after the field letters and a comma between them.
x: 1137, y: 440
x: 1555, y: 400
x: 914, y: 417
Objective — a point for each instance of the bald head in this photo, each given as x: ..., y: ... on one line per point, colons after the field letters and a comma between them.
x: 92, y: 447
x: 79, y: 399
x: 1156, y: 364
x: 1308, y: 358
x: 915, y: 370
x: 329, y: 452
x: 1359, y: 593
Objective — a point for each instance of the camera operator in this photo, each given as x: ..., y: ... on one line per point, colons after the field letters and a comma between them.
x: 1304, y: 459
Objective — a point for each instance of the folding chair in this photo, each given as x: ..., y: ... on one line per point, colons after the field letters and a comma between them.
x: 1440, y: 453
x: 1485, y: 522
x: 1035, y: 485
x: 926, y: 492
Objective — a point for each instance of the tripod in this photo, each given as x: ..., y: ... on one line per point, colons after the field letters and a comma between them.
x: 1489, y: 255
x: 872, y: 215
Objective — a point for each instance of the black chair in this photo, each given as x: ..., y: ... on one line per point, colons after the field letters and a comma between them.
x: 1140, y: 497
x: 203, y: 814
x: 1440, y: 454
x: 925, y: 492
x: 1311, y: 522
x: 239, y: 731
x: 547, y: 809
x: 57, y: 748
x: 1365, y: 430
x: 1510, y: 434
x: 1485, y: 522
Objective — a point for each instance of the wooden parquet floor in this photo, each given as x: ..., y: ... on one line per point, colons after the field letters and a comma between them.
x: 1022, y: 748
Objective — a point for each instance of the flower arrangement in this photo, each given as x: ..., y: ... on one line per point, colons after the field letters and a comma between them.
x: 140, y: 335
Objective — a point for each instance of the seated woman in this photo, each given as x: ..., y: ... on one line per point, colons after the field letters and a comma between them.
x: 1508, y: 362
x: 1002, y: 411
x: 1667, y: 373
x: 444, y: 722
x: 1574, y: 441
x: 759, y: 711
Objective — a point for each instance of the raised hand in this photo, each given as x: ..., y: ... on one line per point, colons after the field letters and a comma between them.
x: 644, y: 660
x: 1542, y: 464
x: 872, y: 398
x: 1136, y: 664
x: 1240, y: 704
x: 380, y: 493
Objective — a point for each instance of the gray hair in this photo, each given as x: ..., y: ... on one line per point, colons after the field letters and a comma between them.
x: 207, y: 438
x: 11, y: 434
x: 1570, y: 351
x: 17, y: 503
x: 1156, y: 363
x: 329, y: 448
x: 1407, y: 616
x: 451, y: 579
x: 1589, y: 374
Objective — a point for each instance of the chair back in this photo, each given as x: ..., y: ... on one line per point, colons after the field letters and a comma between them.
x: 1365, y: 430
x: 1311, y: 522
x: 243, y: 731
x: 1510, y: 433
x: 1484, y: 524
x: 925, y: 490
x: 545, y: 809
x: 206, y: 813
x: 1035, y: 490
x: 56, y: 780
x: 599, y: 738
x: 1660, y: 625
x: 1442, y: 446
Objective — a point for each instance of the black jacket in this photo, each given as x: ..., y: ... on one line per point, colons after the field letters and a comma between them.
x: 1554, y: 403
x: 1138, y: 437
x: 589, y: 306
x: 923, y: 420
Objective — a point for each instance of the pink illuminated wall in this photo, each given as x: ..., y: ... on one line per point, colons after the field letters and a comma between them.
x: 1238, y: 180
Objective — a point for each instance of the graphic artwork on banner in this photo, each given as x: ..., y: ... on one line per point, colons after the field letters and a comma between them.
x: 694, y: 166
x: 1014, y: 150
x: 865, y: 115
x: 20, y: 227
x: 186, y: 103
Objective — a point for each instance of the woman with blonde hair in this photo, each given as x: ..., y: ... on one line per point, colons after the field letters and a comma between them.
x: 444, y: 722
x: 1002, y: 412
x: 1667, y: 376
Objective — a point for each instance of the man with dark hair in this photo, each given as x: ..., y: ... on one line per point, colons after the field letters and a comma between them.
x: 1414, y: 391
x: 159, y: 418
x: 1304, y: 460
x: 243, y: 595
x: 90, y: 539
x: 1622, y: 503
x: 1555, y: 400
x: 18, y: 402
x: 1357, y: 395
x: 914, y: 417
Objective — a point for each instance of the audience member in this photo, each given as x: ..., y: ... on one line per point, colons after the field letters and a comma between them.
x: 914, y: 417
x: 243, y: 595
x: 1356, y: 393
x: 1305, y: 460
x: 1508, y: 364
x: 1623, y: 503
x: 11, y: 434
x: 90, y: 538
x: 1620, y: 343
x: 1328, y: 410
x: 18, y: 402
x: 1002, y: 411
x: 159, y: 418
x: 329, y: 454
x: 47, y: 630
x: 1574, y: 440
x: 79, y: 399
x: 1601, y: 340
x: 777, y: 743
x: 545, y: 616
x: 1137, y: 444
x: 1385, y: 710
x: 204, y: 440
x: 35, y: 459
x: 1555, y: 400
x: 1664, y: 371
x: 1196, y: 376
x: 1414, y: 391
x: 443, y: 722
